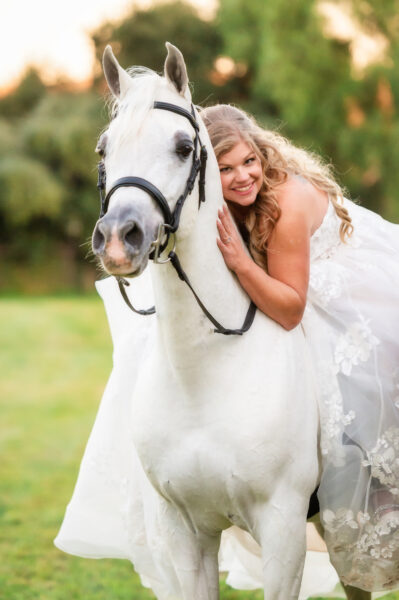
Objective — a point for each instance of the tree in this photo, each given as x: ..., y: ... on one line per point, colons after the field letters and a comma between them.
x: 373, y: 144
x: 29, y: 190
x: 303, y: 82
x: 140, y: 40
x: 24, y: 97
x: 48, y: 196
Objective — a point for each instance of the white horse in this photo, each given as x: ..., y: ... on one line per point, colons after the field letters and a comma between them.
x: 225, y: 427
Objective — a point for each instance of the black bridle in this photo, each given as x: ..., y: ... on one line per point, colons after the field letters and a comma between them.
x: 171, y: 219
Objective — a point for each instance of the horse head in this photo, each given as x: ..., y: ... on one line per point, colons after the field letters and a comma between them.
x: 149, y: 162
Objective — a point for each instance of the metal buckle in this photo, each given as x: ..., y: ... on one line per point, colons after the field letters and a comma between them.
x: 156, y: 244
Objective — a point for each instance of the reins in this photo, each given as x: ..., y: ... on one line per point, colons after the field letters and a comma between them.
x: 171, y: 219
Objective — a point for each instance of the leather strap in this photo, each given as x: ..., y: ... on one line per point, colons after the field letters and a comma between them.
x: 122, y: 283
x: 179, y: 110
x: 219, y: 328
x: 145, y: 185
x: 249, y: 318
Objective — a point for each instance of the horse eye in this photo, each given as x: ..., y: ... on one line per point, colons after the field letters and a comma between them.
x: 184, y: 149
x: 101, y: 145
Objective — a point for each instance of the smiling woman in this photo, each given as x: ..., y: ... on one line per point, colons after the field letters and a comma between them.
x: 241, y: 175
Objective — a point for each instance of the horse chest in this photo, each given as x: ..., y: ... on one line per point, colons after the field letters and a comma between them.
x: 209, y: 464
x: 198, y: 474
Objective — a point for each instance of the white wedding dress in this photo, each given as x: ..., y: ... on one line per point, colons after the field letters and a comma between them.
x: 352, y: 325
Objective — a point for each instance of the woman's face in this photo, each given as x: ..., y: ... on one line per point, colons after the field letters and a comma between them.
x: 241, y: 174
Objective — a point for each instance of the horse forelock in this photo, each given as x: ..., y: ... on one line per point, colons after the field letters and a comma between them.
x: 129, y: 113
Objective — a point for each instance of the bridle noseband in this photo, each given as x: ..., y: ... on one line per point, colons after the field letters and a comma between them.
x: 171, y: 219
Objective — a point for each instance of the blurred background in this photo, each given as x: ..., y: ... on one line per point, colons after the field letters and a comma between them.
x: 324, y: 73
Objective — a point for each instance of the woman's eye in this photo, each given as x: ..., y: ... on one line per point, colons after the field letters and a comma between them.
x: 224, y: 169
x: 250, y: 160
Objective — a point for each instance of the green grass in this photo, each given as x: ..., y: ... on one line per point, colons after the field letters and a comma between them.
x: 55, y: 360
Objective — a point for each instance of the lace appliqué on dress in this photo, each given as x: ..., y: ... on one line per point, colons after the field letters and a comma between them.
x: 333, y: 417
x: 383, y: 460
x: 354, y: 346
x: 373, y: 545
x: 325, y: 283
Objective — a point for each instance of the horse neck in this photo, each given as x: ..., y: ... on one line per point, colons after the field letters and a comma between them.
x: 184, y: 328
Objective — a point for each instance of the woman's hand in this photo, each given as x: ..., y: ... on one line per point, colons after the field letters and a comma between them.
x: 230, y: 244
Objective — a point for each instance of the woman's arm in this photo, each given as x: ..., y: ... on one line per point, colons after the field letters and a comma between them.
x: 280, y: 293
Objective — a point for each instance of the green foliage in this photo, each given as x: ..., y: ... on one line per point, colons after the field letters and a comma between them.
x: 9, y: 140
x: 47, y: 183
x: 62, y: 132
x: 140, y: 40
x: 303, y: 82
x: 28, y: 93
x: 381, y: 17
x: 29, y: 190
x: 299, y: 85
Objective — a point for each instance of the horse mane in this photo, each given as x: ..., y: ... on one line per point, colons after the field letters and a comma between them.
x: 133, y: 108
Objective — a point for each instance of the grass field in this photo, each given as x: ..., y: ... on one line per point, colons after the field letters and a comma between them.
x: 55, y: 359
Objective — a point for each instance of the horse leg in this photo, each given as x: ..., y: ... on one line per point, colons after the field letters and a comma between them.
x: 200, y: 581
x: 281, y: 533
x: 194, y: 555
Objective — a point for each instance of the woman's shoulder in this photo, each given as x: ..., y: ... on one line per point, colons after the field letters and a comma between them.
x: 300, y: 200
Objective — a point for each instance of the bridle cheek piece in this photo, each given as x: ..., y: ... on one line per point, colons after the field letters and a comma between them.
x: 171, y: 219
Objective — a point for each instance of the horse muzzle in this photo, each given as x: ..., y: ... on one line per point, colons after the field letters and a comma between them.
x: 122, y: 244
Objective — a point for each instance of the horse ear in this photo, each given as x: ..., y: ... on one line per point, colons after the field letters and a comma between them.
x: 175, y: 70
x: 117, y: 78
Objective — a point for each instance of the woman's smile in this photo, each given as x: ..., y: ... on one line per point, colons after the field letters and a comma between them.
x: 244, y: 189
x: 241, y: 174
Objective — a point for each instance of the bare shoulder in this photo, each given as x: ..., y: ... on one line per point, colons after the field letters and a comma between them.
x: 295, y: 193
x: 301, y: 203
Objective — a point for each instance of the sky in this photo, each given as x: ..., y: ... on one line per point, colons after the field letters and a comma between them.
x: 54, y: 35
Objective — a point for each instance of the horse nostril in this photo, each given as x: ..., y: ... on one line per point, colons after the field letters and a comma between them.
x: 98, y: 241
x: 134, y: 237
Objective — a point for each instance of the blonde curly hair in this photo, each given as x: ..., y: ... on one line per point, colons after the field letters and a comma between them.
x: 228, y: 125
